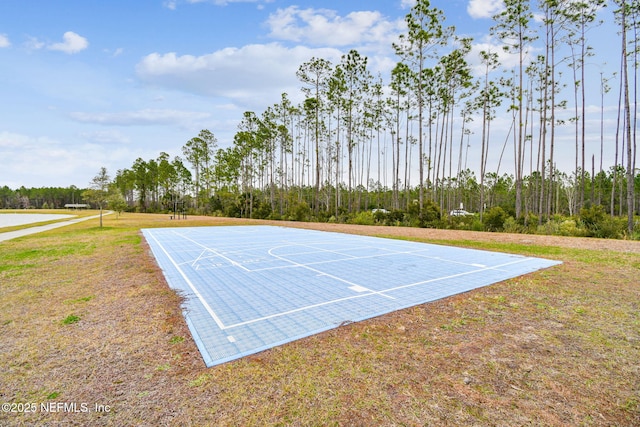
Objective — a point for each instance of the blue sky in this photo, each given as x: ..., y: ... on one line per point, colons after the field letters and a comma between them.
x: 93, y: 83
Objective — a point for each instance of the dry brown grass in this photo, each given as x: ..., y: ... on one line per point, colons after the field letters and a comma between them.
x: 558, y: 347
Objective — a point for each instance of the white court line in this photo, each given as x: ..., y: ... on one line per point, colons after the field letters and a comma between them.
x: 323, y: 273
x: 191, y: 285
x: 306, y: 307
x: 235, y: 263
x: 450, y: 261
x: 319, y: 250
x: 295, y: 265
x: 199, y: 258
x: 260, y: 319
x: 466, y: 273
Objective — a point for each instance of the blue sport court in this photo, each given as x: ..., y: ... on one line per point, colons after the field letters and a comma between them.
x: 250, y: 288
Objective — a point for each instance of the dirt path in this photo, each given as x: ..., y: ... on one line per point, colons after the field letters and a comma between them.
x: 630, y: 246
x: 436, y: 234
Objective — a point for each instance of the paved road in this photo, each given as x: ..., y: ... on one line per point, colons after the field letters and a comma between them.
x: 32, y: 230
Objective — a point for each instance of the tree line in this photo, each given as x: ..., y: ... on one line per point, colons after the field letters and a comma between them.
x: 40, y: 198
x: 357, y: 142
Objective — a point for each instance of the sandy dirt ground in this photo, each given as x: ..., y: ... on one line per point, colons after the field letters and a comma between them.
x: 436, y: 234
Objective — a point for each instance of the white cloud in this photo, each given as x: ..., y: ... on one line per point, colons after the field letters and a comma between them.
x: 253, y: 76
x: 72, y: 43
x: 141, y: 118
x: 48, y: 161
x: 484, y: 8
x: 507, y: 60
x: 407, y: 4
x: 9, y: 140
x: 325, y: 27
x: 109, y: 136
x: 33, y: 43
x: 4, y: 41
x: 114, y: 53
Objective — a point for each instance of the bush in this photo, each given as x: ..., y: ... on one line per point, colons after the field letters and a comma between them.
x: 611, y: 228
x: 494, y: 219
x: 592, y: 217
x: 232, y: 210
x: 549, y: 228
x: 429, y: 217
x: 380, y: 216
x: 510, y: 225
x: 363, y: 218
x: 598, y: 224
x: 462, y: 222
x: 477, y: 225
x: 569, y: 227
x: 275, y: 216
x: 261, y: 210
x: 299, y: 212
x: 395, y: 217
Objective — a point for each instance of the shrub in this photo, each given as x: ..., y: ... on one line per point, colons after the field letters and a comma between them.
x: 299, y: 212
x: 395, y: 217
x: 549, y: 228
x: 569, y: 227
x: 592, y: 217
x: 261, y: 210
x: 429, y: 217
x: 598, y: 224
x: 363, y: 218
x: 610, y: 228
x: 430, y: 212
x: 510, y: 225
x: 477, y: 225
x: 380, y: 216
x: 232, y: 211
x: 462, y: 222
x: 494, y: 218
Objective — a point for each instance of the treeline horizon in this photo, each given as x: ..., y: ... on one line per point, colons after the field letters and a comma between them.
x: 40, y: 197
x: 355, y: 135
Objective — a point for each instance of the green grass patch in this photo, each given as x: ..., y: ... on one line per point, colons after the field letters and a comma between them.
x: 200, y: 380
x: 27, y: 253
x: 70, y: 319
x: 176, y: 340
x: 18, y: 259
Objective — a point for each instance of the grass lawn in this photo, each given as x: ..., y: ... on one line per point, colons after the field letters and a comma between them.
x: 90, y: 334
